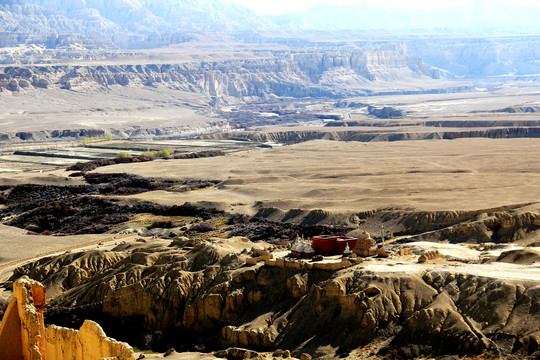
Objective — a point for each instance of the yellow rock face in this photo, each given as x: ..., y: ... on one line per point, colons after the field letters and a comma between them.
x: 60, y: 343
x: 89, y: 343
x: 30, y: 325
x: 10, y: 334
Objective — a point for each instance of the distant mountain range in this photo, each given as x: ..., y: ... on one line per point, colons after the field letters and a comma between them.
x: 480, y: 16
x: 124, y: 22
x: 130, y: 23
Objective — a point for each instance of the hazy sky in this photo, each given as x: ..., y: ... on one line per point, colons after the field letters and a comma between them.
x: 281, y: 6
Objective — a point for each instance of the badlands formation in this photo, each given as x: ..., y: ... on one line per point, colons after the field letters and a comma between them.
x: 206, y: 268
x: 181, y: 247
x: 164, y: 254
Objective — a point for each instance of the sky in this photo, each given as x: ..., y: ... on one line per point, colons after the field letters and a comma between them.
x: 276, y: 7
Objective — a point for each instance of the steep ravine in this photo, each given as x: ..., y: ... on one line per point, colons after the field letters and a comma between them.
x: 170, y: 295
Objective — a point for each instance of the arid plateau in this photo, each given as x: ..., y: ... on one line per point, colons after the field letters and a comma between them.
x: 277, y: 193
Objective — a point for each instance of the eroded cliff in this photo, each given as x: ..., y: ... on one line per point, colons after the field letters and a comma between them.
x: 290, y: 74
x: 205, y: 291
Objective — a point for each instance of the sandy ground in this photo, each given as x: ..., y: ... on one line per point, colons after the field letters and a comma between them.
x: 16, y: 244
x: 495, y: 270
x: 460, y: 103
x: 54, y: 177
x: 116, y: 108
x: 463, y: 174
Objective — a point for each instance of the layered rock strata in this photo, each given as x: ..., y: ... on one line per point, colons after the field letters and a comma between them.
x: 315, y: 73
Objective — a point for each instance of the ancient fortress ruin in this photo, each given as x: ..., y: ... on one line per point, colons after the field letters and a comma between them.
x: 23, y: 334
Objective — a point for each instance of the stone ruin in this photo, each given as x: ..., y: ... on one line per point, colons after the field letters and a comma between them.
x: 264, y: 255
x: 365, y: 246
x: 23, y: 334
x: 430, y: 255
x: 302, y: 265
x: 406, y: 251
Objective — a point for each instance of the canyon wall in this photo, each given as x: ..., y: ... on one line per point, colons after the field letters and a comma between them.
x: 290, y: 74
x: 482, y: 56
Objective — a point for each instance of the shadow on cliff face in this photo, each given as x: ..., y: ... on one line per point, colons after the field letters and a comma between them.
x: 129, y: 330
x: 179, y: 299
x: 3, y: 306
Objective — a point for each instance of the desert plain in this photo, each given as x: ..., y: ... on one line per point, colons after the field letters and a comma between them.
x: 160, y: 193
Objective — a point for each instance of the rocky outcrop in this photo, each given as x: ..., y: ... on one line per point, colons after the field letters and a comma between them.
x: 352, y: 308
x: 523, y: 257
x: 519, y: 109
x: 124, y: 132
x: 386, y: 112
x: 150, y: 24
x: 299, y: 265
x: 500, y: 227
x: 125, y: 24
x: 488, y: 56
x: 441, y: 322
x: 430, y: 255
